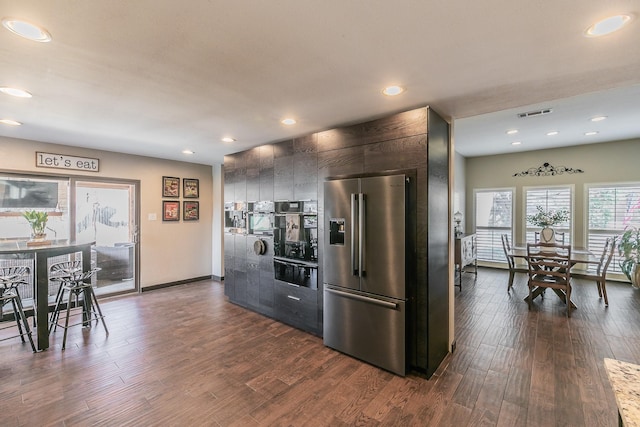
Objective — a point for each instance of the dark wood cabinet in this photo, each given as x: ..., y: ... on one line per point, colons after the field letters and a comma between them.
x: 416, y: 141
x: 229, y: 263
x: 296, y: 305
x: 283, y: 171
x: 266, y: 172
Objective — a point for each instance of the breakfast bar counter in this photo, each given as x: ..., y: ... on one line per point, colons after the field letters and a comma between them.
x: 41, y: 253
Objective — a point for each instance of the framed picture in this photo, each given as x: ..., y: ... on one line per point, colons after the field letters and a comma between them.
x: 170, y: 210
x: 191, y: 188
x: 191, y: 211
x: 170, y: 186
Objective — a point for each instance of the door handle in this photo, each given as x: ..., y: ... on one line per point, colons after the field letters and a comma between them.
x: 385, y: 304
x: 354, y: 221
x: 362, y: 235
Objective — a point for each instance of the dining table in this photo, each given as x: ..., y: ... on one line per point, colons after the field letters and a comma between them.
x: 579, y: 255
x: 41, y: 253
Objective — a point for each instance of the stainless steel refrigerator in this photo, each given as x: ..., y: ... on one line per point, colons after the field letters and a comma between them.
x: 365, y: 277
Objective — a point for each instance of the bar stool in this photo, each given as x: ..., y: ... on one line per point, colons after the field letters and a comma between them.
x: 10, y: 279
x: 72, y: 281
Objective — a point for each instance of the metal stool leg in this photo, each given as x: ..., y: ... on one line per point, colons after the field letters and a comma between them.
x: 17, y: 318
x: 25, y: 322
x: 66, y: 320
x: 94, y: 300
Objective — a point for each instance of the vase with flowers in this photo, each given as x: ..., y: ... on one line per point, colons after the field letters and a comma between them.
x: 38, y: 221
x: 546, y: 220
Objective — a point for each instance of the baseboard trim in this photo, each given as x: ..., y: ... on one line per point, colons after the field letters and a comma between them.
x: 176, y: 283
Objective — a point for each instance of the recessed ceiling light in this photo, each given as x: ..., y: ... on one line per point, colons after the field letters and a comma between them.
x: 15, y: 92
x: 552, y: 133
x: 512, y: 132
x: 607, y: 25
x: 188, y: 152
x: 393, y: 90
x: 288, y: 122
x: 27, y: 30
x: 516, y: 143
x: 598, y: 118
x: 593, y: 132
x: 228, y: 139
x: 10, y: 122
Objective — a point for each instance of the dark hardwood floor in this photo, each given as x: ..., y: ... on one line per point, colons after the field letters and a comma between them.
x: 184, y: 356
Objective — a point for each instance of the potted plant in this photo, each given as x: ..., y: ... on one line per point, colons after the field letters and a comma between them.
x: 629, y: 250
x: 546, y: 220
x: 38, y: 221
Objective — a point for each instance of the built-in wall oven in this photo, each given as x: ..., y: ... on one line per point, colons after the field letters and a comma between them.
x: 295, y: 242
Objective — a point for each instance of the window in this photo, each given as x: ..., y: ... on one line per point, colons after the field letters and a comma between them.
x: 102, y: 210
x: 610, y: 209
x: 493, y: 217
x: 19, y: 193
x: 549, y: 198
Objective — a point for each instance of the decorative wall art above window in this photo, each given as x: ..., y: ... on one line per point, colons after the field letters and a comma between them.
x: 547, y: 169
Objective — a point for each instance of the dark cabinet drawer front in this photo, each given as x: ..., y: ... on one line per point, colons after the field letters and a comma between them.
x: 296, y: 306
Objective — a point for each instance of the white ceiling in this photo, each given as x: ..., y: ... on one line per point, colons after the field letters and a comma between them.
x: 154, y: 77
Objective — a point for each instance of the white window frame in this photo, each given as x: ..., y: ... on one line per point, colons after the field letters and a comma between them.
x: 496, y: 244
x: 568, y: 230
x: 595, y: 243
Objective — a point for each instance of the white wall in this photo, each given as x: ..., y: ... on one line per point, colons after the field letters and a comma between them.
x: 459, y: 189
x: 169, y: 251
x: 218, y: 222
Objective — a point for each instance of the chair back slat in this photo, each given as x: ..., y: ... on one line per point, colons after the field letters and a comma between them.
x: 507, y: 248
x: 549, y: 264
x: 607, y: 255
x: 558, y: 236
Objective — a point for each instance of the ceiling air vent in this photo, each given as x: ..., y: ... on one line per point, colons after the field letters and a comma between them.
x: 535, y: 113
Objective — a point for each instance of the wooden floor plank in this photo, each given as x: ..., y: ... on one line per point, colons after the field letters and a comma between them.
x: 185, y: 356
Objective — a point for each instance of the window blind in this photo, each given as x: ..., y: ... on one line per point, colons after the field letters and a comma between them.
x: 493, y: 217
x: 548, y: 198
x: 610, y: 209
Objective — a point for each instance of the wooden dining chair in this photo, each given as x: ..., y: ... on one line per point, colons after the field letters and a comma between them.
x: 513, y: 267
x: 550, y: 267
x: 599, y: 272
x: 558, y: 236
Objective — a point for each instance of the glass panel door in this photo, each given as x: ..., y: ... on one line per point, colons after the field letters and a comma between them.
x: 106, y: 213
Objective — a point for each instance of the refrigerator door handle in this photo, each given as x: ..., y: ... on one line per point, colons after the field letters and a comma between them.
x: 354, y: 221
x: 361, y: 232
x: 385, y: 304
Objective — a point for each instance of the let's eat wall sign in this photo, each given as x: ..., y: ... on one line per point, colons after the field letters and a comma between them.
x: 61, y: 161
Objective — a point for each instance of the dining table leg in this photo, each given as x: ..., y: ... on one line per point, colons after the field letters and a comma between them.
x: 539, y: 290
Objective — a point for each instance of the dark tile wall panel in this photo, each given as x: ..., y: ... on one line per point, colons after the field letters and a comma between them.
x: 404, y: 153
x: 283, y: 171
x: 266, y: 172
x: 346, y: 161
x: 253, y: 174
x: 343, y: 137
x: 401, y: 125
